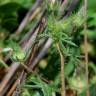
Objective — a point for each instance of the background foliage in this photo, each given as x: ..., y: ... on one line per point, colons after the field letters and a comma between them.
x: 69, y: 32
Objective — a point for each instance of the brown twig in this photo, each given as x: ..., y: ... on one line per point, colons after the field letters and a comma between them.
x: 29, y: 16
x: 38, y: 45
x: 30, y: 33
x: 21, y: 78
x: 12, y: 89
x: 5, y: 82
x: 71, y: 8
x: 33, y: 53
x: 64, y: 3
x: 42, y: 53
x: 26, y: 46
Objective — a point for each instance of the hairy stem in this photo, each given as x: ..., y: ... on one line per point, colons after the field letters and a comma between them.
x: 63, y: 92
x: 86, y: 43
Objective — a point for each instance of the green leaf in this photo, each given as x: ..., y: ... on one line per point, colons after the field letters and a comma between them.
x: 69, y: 42
x: 68, y: 69
x: 18, y: 54
x: 10, y: 23
x: 40, y: 84
x: 9, y: 8
x: 2, y: 63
